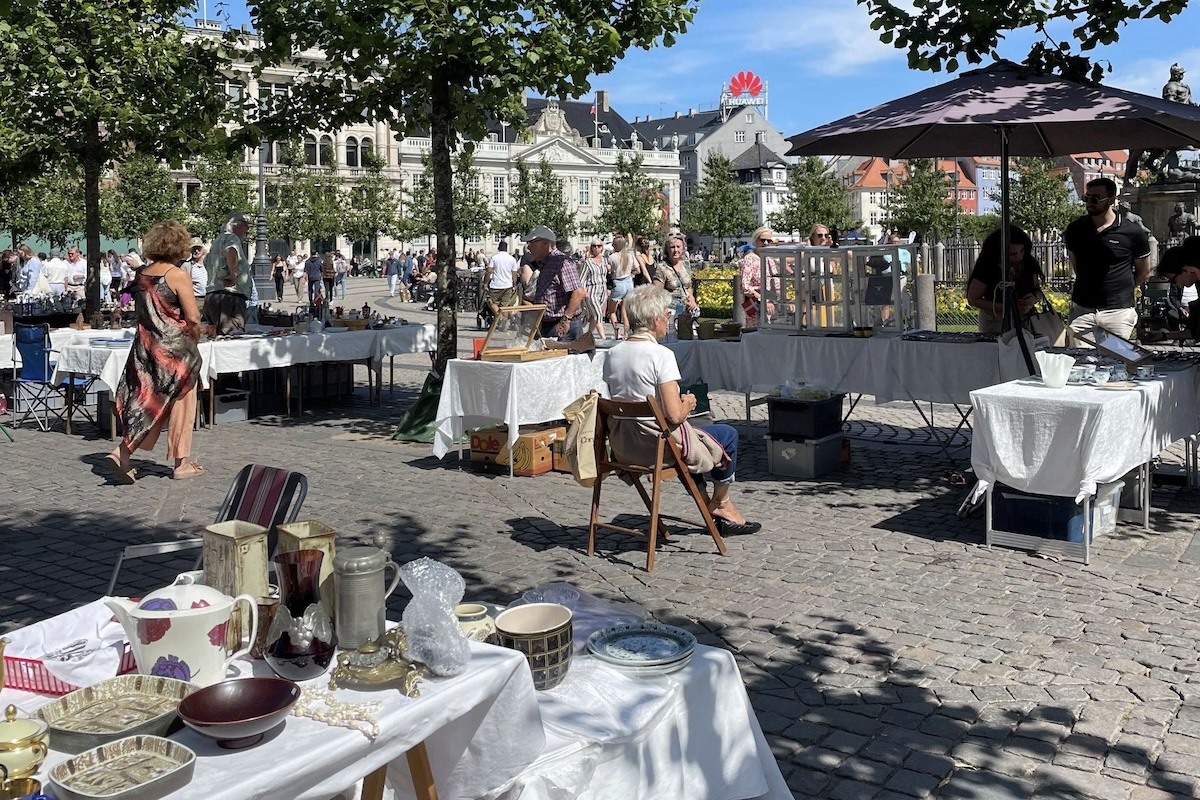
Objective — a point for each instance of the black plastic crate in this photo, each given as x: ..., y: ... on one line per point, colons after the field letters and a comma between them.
x: 804, y: 419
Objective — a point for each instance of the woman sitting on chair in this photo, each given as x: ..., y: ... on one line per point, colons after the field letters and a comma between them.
x: 640, y: 367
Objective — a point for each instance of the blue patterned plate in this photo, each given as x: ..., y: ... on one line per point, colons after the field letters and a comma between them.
x: 643, y: 644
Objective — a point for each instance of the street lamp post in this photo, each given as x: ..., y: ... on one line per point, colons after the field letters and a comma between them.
x: 261, y: 266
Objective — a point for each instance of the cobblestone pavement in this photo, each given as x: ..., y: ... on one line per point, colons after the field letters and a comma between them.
x: 888, y: 652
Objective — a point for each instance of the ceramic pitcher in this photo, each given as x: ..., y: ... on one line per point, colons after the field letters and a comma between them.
x: 179, y: 631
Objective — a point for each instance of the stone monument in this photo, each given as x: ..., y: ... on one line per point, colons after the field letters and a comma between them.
x: 1175, y: 176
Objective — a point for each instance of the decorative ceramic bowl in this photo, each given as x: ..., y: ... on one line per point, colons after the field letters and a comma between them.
x: 239, y: 712
x: 543, y: 632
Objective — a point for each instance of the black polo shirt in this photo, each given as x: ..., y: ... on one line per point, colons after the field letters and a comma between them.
x: 1104, y: 261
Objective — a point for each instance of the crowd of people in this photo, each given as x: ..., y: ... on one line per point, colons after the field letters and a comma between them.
x: 23, y: 272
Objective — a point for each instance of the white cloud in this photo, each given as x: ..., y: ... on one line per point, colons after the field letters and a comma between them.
x: 1147, y: 75
x: 832, y: 38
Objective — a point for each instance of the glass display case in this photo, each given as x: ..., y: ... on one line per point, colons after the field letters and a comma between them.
x: 823, y: 290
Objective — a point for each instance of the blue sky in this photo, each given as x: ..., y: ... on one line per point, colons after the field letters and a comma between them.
x: 821, y: 61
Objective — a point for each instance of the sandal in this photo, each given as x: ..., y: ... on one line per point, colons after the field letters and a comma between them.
x: 190, y: 470
x: 126, y: 476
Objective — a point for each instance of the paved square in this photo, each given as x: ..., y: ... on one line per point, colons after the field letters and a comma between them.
x: 887, y: 651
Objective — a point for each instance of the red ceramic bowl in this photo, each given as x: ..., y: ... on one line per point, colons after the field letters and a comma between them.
x: 239, y: 712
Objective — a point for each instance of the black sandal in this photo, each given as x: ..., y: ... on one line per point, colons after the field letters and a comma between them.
x: 727, y: 528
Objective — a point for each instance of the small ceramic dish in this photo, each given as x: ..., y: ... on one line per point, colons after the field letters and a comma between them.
x: 126, y: 705
x: 141, y: 767
x: 238, y: 713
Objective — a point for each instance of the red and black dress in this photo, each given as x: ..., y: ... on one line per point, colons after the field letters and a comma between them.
x: 164, y: 363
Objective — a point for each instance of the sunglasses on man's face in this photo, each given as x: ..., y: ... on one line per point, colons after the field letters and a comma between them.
x: 1095, y: 198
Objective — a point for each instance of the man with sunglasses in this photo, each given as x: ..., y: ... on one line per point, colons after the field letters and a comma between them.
x: 1109, y: 255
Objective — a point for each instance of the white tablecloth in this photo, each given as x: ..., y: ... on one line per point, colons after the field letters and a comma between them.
x: 480, y: 729
x: 718, y: 363
x: 885, y: 367
x: 1064, y: 442
x: 937, y: 372
x: 477, y: 393
x: 224, y: 356
x: 59, y: 338
x: 489, y: 734
x: 707, y: 744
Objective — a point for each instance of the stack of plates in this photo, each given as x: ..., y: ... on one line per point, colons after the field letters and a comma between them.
x: 647, y: 649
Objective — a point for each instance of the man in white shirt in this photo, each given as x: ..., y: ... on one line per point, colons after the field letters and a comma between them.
x: 199, y: 273
x: 342, y: 271
x: 55, y: 270
x: 500, y: 278
x: 76, y: 272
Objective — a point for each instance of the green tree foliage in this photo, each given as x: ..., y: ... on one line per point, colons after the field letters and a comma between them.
x: 450, y: 69
x: 536, y: 199
x: 374, y: 204
x: 472, y: 208
x: 49, y: 206
x: 721, y: 207
x: 90, y: 80
x: 225, y: 185
x: 1038, y: 198
x: 144, y: 194
x: 978, y: 227
x: 936, y: 34
x: 305, y: 202
x: 921, y: 201
x: 631, y: 203
x: 814, y: 196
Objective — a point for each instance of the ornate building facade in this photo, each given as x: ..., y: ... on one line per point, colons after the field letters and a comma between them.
x: 581, y: 141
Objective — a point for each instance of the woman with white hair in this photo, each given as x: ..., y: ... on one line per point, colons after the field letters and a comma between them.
x: 640, y: 367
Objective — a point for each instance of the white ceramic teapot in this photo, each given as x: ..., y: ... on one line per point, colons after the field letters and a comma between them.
x: 180, y: 631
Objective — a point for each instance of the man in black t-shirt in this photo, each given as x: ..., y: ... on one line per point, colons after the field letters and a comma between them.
x: 1109, y: 255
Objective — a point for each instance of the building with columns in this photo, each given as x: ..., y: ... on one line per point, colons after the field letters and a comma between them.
x: 581, y: 145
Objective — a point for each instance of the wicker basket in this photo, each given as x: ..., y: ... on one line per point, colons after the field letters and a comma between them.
x: 32, y: 676
x: 352, y: 324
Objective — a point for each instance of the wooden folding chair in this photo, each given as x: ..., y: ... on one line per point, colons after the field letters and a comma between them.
x: 668, y: 463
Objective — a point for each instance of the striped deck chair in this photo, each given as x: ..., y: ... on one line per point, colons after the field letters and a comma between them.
x: 266, y: 496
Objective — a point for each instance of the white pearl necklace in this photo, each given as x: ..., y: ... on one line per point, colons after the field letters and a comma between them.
x: 354, y: 716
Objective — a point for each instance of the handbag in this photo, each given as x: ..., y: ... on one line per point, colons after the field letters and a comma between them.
x: 1047, y: 323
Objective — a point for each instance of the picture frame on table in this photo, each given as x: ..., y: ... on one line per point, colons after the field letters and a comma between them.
x: 1131, y: 353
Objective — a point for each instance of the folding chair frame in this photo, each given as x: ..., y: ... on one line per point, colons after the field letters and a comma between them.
x: 658, y: 474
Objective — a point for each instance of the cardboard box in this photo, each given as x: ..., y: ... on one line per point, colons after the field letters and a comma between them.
x: 530, y: 456
x: 560, y: 463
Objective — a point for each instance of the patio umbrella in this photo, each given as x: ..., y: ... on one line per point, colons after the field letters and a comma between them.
x: 855, y: 235
x: 1002, y: 110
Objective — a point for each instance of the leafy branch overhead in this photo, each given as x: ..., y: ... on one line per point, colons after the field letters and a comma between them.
x: 448, y: 70
x: 943, y: 34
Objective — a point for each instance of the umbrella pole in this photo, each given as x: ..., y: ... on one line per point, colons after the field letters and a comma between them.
x: 1009, y: 295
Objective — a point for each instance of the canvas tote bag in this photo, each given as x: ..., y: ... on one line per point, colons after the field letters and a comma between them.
x: 580, y: 446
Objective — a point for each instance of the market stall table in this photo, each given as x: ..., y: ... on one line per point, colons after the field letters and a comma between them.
x: 479, y: 731
x: 601, y: 734
x: 478, y: 393
x: 1066, y: 442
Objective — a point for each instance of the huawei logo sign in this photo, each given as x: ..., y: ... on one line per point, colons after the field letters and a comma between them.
x: 745, y: 82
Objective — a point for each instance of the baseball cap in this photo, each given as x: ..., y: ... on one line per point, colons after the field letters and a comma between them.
x: 540, y: 232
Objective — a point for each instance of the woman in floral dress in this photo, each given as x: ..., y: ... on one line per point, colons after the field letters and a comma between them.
x: 162, y: 374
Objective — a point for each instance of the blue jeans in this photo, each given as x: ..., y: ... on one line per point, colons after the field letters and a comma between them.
x: 727, y: 437
x: 339, y: 283
x: 573, y: 332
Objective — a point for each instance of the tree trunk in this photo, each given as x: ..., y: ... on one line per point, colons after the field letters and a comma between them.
x: 91, y: 214
x: 441, y: 140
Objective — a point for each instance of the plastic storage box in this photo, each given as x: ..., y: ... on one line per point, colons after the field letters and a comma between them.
x: 804, y: 419
x: 1051, y: 517
x: 231, y: 407
x: 807, y: 458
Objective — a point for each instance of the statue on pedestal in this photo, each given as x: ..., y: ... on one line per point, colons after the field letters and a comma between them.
x: 1165, y: 165
x: 1182, y: 223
